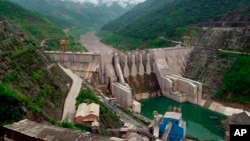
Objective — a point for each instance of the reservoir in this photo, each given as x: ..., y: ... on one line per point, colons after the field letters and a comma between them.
x: 201, y: 123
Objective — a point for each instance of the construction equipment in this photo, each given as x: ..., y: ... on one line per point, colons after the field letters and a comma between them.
x: 63, y: 45
x: 186, y: 41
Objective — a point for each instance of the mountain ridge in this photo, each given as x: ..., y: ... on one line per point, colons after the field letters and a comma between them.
x: 168, y: 18
x: 67, y: 13
x: 38, y: 27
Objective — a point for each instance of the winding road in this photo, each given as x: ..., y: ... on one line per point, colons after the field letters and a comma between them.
x: 69, y: 104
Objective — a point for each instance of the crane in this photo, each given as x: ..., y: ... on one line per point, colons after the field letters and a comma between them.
x: 63, y: 45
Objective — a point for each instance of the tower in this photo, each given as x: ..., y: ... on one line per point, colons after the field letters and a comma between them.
x: 186, y: 41
x: 63, y: 44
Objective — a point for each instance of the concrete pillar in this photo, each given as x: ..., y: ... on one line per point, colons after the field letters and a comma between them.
x: 143, y: 52
x: 137, y: 59
x: 101, y: 72
x: 126, y: 69
x: 166, y: 86
x: 136, y: 55
x: 141, y: 67
x: 133, y: 71
x: 199, y: 93
x: 118, y: 69
x: 122, y: 94
x: 129, y: 61
x: 147, y: 66
x: 174, y: 85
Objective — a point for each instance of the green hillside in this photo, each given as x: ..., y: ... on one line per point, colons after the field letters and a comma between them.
x: 68, y: 13
x: 236, y: 80
x: 156, y: 18
x: 31, y: 85
x: 36, y: 26
x: 28, y: 87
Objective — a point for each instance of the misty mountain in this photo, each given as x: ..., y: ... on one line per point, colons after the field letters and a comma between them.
x: 123, y: 3
x: 169, y: 18
x: 35, y: 25
x: 68, y: 13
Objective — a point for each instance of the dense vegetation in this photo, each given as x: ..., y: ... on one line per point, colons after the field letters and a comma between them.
x: 156, y: 18
x: 36, y: 26
x: 8, y: 106
x: 122, y: 42
x: 236, y: 80
x: 107, y: 118
x: 71, y: 14
x: 30, y: 82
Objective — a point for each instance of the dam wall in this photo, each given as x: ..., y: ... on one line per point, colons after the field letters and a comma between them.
x: 174, y: 59
x: 96, y: 68
x: 117, y: 69
x: 122, y: 93
x: 74, y: 56
x: 169, y: 64
x: 86, y: 65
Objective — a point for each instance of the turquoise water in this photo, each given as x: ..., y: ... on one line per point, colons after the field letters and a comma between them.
x: 198, y: 119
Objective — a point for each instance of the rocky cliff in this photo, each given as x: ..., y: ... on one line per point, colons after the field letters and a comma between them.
x: 224, y: 33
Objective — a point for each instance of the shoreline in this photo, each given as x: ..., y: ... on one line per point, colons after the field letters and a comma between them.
x: 221, y: 108
x: 208, y: 104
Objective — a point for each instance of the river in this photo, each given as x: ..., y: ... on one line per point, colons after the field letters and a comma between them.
x: 93, y: 43
x: 201, y: 123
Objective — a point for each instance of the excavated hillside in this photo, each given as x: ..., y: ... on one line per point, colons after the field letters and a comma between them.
x: 206, y: 62
x: 31, y: 85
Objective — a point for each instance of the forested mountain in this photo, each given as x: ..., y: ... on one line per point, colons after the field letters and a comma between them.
x: 68, y: 13
x: 34, y: 25
x: 28, y: 87
x: 169, y: 18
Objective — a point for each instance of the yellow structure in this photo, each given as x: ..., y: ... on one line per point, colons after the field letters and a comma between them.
x: 186, y: 41
x: 63, y: 45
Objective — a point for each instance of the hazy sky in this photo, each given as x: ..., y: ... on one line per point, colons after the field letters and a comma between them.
x: 107, y: 1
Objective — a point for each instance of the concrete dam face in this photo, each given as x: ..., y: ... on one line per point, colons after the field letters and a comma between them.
x: 136, y: 74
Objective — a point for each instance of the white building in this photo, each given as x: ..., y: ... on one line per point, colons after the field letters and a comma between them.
x: 136, y: 106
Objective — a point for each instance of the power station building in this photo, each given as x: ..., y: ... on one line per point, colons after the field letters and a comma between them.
x: 88, y: 114
x: 178, y: 130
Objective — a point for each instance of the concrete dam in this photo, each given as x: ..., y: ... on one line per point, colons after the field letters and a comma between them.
x: 128, y: 74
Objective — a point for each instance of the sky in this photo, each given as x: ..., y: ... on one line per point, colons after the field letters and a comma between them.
x: 108, y: 1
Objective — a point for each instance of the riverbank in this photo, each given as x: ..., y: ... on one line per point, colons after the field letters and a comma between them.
x: 221, y: 108
x: 209, y: 104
